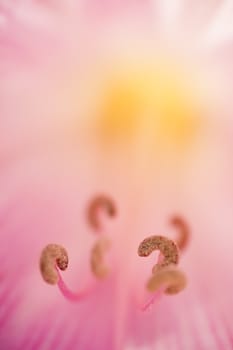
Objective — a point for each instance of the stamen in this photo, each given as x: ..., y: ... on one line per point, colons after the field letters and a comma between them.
x: 53, y: 258
x: 53, y: 255
x: 184, y: 231
x: 166, y: 247
x: 99, y: 268
x: 100, y: 202
x: 170, y: 277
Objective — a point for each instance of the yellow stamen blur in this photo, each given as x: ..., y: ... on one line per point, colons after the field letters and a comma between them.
x: 160, y: 101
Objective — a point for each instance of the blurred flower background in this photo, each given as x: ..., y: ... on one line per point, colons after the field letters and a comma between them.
x: 132, y: 100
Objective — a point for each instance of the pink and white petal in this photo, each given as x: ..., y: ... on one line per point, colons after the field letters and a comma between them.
x: 23, y: 35
x: 107, y: 8
x: 220, y: 29
x: 33, y: 37
x: 217, y: 62
x: 197, y: 17
x: 188, y: 320
x: 43, y: 195
x: 187, y: 21
x: 41, y: 210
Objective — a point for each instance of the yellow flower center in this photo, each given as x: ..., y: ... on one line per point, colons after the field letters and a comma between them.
x: 159, y: 101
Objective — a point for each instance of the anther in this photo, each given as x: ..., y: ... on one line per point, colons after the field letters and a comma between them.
x: 166, y: 246
x: 98, y: 266
x: 98, y: 203
x: 169, y: 277
x: 183, y: 231
x: 52, y: 256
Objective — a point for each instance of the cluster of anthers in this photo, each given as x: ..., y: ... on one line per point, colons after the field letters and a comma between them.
x: 166, y: 276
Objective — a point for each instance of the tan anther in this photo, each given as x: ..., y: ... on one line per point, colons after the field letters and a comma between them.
x: 98, y: 203
x: 169, y: 277
x: 98, y: 266
x: 53, y: 255
x: 166, y: 247
x: 183, y: 231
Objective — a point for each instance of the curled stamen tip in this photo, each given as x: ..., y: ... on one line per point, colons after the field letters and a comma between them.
x: 165, y: 245
x: 169, y: 277
x: 53, y: 255
x: 184, y: 231
x: 97, y: 203
x: 99, y: 269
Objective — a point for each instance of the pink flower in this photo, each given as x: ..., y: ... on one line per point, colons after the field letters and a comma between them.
x: 115, y: 142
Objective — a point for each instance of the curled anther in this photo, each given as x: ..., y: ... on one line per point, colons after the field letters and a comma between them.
x: 100, y: 202
x: 184, y: 231
x: 166, y: 246
x: 169, y: 277
x: 52, y: 256
x: 98, y: 266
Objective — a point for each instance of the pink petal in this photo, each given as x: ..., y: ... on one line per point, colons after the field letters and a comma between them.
x: 50, y: 169
x: 192, y: 22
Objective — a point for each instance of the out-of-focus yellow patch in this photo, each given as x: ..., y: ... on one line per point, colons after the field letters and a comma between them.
x: 175, y: 108
x: 121, y: 110
x: 159, y: 101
